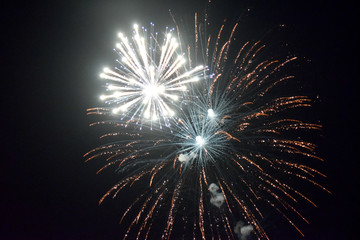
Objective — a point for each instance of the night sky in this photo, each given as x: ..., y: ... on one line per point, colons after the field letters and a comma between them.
x: 52, y: 54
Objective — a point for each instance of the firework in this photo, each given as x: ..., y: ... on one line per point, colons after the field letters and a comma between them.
x: 228, y: 156
x: 150, y: 78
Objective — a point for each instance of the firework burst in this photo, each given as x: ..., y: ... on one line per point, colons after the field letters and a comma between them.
x: 229, y: 153
x: 150, y: 78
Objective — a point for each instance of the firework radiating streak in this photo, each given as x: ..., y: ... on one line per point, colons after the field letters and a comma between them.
x: 230, y: 126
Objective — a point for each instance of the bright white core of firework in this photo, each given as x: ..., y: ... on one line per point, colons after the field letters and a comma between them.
x: 153, y: 91
x: 150, y: 79
x: 200, y: 140
x: 211, y: 113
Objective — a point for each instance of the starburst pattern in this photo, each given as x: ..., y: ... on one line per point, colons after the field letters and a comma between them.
x: 151, y: 77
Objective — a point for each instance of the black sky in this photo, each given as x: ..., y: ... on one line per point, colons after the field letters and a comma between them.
x: 51, y: 55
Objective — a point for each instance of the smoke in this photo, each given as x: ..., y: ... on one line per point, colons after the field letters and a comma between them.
x: 243, y: 231
x: 217, y: 198
x: 183, y: 157
x: 186, y: 157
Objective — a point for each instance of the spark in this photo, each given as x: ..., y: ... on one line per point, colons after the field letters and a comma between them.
x: 200, y: 140
x: 211, y: 113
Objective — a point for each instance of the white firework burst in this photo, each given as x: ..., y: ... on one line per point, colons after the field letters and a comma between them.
x: 151, y: 78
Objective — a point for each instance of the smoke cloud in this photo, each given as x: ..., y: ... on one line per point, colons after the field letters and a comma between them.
x: 217, y: 198
x: 243, y: 231
x: 183, y: 157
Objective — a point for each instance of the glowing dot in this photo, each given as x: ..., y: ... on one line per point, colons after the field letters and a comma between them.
x: 211, y: 113
x: 200, y: 140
